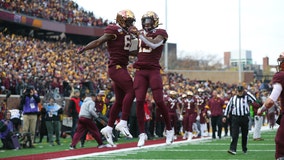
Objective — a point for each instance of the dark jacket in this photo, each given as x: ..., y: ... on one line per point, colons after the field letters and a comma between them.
x: 74, y: 105
x: 52, y: 112
x: 29, y: 104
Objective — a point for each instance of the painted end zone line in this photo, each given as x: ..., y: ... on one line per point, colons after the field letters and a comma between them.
x: 131, y: 149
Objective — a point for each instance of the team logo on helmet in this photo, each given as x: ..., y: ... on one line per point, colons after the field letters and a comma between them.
x: 125, y: 18
x: 172, y: 92
x: 189, y: 93
x: 280, y: 61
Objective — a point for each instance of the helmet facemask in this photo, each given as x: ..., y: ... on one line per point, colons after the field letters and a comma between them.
x: 129, y: 22
x: 150, y: 21
x: 147, y: 24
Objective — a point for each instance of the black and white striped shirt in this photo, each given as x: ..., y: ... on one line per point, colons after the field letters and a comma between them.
x: 240, y: 105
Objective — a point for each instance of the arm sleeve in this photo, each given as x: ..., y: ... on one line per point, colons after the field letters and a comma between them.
x: 60, y: 111
x: 228, y: 108
x: 150, y: 44
x: 251, y: 97
x: 70, y: 108
x: 92, y: 110
x: 37, y: 98
x: 277, y: 89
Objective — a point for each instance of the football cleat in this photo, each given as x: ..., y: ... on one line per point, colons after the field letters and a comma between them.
x: 123, y: 129
x: 232, y: 152
x: 142, y: 138
x: 105, y: 146
x: 185, y: 135
x: 72, y: 147
x: 169, y: 136
x: 189, y: 136
x: 107, y: 133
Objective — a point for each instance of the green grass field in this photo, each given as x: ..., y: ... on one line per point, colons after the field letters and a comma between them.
x: 198, y: 150
x: 202, y: 150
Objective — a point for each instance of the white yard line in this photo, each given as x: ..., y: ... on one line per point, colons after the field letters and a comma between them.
x: 130, y: 149
x: 119, y: 151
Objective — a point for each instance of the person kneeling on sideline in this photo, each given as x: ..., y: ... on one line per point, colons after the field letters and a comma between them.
x: 86, y: 123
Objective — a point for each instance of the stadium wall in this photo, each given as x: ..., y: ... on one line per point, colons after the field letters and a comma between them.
x: 14, y: 101
x: 231, y: 77
x: 50, y: 25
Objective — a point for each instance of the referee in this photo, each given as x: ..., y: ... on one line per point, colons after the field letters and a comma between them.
x: 238, y: 109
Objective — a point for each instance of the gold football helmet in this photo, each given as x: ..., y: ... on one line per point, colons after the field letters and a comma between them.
x: 125, y: 18
x: 189, y: 93
x: 280, y: 61
x: 150, y: 18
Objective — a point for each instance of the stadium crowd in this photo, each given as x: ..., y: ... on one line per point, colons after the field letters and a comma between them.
x: 64, y: 11
x: 49, y: 65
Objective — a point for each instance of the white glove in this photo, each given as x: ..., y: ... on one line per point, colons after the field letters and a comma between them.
x: 261, y: 109
x: 180, y: 118
x: 198, y: 118
x: 209, y: 113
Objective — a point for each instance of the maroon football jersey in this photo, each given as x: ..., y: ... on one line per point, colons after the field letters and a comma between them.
x: 149, y: 58
x: 172, y: 104
x: 279, y: 78
x: 200, y: 102
x: 189, y: 105
x: 119, y: 47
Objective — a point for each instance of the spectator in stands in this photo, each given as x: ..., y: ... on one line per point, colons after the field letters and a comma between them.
x: 116, y: 35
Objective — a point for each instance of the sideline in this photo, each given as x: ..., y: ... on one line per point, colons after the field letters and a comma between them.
x: 132, y: 148
x: 263, y: 128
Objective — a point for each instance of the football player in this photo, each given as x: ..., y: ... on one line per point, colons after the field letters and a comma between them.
x: 277, y: 92
x: 201, y: 100
x: 190, y: 115
x: 119, y: 42
x: 173, y: 105
x: 148, y: 72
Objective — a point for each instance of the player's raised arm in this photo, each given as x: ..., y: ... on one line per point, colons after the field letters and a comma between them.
x: 95, y: 43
